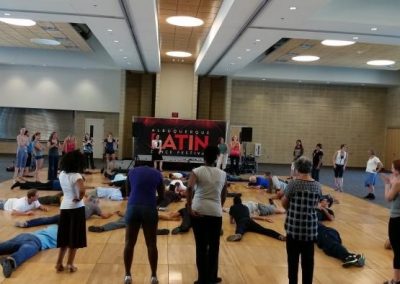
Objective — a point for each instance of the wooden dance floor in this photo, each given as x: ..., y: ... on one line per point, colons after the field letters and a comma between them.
x: 255, y: 259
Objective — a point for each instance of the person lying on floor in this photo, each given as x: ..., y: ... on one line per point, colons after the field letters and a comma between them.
x: 50, y: 185
x: 275, y: 184
x: 259, y: 210
x: 328, y: 238
x: 24, y: 246
x: 23, y: 206
x: 171, y: 195
x: 170, y: 216
x: 258, y: 182
x: 240, y: 214
x: 91, y: 208
x: 112, y: 193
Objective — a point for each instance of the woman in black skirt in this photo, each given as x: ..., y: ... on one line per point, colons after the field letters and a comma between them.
x: 72, y: 225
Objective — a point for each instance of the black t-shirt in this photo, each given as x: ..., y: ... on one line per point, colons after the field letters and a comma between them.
x: 321, y: 215
x: 239, y: 212
x: 317, y: 156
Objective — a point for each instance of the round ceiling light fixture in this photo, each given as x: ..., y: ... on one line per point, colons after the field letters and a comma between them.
x: 18, y: 22
x: 381, y: 62
x: 334, y: 42
x: 45, y: 41
x: 305, y: 58
x: 179, y: 54
x: 185, y: 21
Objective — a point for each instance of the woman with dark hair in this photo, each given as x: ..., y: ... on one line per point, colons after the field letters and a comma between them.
x: 22, y: 154
x: 205, y: 205
x: 298, y: 151
x: 374, y: 165
x: 72, y: 224
x: 223, y: 154
x: 88, y: 151
x: 234, y: 154
x: 110, y: 145
x: 340, y: 159
x: 392, y: 190
x: 53, y: 144
x: 300, y: 199
x: 38, y: 153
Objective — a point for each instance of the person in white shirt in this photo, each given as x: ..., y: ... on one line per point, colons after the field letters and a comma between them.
x: 23, y: 206
x: 374, y: 165
x: 208, y: 184
x: 112, y: 193
x: 340, y: 159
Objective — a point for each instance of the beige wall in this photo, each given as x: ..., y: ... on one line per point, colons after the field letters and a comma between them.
x: 392, y: 109
x: 280, y: 113
x: 212, y: 98
x: 176, y: 91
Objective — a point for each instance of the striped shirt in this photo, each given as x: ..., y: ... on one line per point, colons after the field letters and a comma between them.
x: 301, y: 219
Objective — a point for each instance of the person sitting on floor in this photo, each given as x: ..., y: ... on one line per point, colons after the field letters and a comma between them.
x: 24, y: 246
x: 23, y: 206
x: 328, y: 238
x: 258, y: 182
x: 91, y: 208
x: 240, y: 214
x: 50, y: 185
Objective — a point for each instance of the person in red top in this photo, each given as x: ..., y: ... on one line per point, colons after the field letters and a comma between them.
x: 234, y: 154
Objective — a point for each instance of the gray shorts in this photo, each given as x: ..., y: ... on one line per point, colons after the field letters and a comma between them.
x: 266, y: 210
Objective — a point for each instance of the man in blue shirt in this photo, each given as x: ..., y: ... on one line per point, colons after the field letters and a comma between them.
x: 26, y: 245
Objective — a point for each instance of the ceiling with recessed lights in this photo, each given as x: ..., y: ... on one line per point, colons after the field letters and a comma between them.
x: 29, y: 37
x: 237, y: 39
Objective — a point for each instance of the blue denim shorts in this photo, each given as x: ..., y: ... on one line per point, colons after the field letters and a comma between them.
x: 370, y: 179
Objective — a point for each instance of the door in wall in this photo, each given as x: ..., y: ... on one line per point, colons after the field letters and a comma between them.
x: 392, y: 146
x: 95, y: 127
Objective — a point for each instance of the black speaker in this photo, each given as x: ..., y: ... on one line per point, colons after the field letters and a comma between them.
x: 247, y: 134
x: 137, y: 127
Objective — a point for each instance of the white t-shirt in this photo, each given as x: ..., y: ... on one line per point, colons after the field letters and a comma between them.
x: 372, y: 164
x: 207, y: 193
x: 340, y: 158
x: 155, y: 144
x: 110, y: 193
x: 178, y: 181
x: 71, y: 192
x: 20, y: 204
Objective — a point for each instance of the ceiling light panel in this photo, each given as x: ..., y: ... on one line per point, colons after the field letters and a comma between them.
x: 381, y: 62
x: 305, y: 58
x: 178, y: 54
x: 333, y: 42
x: 18, y: 22
x: 185, y: 21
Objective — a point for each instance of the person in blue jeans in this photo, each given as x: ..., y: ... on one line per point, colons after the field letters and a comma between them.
x: 24, y: 246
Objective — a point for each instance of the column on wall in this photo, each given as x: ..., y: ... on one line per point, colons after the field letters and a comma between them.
x: 213, y: 99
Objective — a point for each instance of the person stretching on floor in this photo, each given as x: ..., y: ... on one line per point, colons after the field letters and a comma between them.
x: 258, y: 182
x: 240, y: 214
x: 23, y: 206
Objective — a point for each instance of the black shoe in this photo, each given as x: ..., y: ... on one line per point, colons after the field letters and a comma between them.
x: 372, y: 196
x: 349, y: 261
x: 176, y: 231
x: 16, y: 184
x: 162, y: 232
x: 368, y: 196
x: 96, y: 229
x: 7, y: 267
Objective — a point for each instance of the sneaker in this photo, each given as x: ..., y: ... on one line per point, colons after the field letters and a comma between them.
x: 21, y: 224
x: 176, y: 231
x: 360, y: 260
x: 128, y: 279
x: 372, y: 196
x: 95, y: 229
x: 367, y: 196
x: 154, y: 280
x: 7, y: 267
x: 349, y: 261
x: 162, y: 232
x: 234, y: 238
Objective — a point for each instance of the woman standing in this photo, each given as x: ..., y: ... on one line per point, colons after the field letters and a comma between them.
x: 205, y: 206
x: 374, y: 165
x: 69, y: 144
x: 72, y: 224
x: 110, y: 144
x: 156, y: 152
x: 392, y: 189
x: 223, y: 154
x: 234, y: 154
x: 38, y: 152
x: 53, y: 145
x: 88, y: 151
x: 22, y: 154
x: 298, y: 151
x: 301, y: 197
x: 340, y: 159
x: 30, y: 154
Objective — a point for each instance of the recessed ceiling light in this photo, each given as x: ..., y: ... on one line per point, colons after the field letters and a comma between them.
x: 333, y: 42
x: 45, y: 41
x: 258, y: 40
x: 18, y: 22
x: 383, y: 62
x: 185, y: 21
x: 125, y: 57
x: 355, y: 37
x: 7, y: 14
x: 292, y: 8
x: 239, y: 58
x: 263, y: 79
x: 116, y: 41
x: 121, y: 49
x: 129, y: 63
x: 44, y: 65
x: 248, y: 49
x: 305, y: 58
x: 374, y: 29
x: 179, y: 54
x: 109, y: 30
